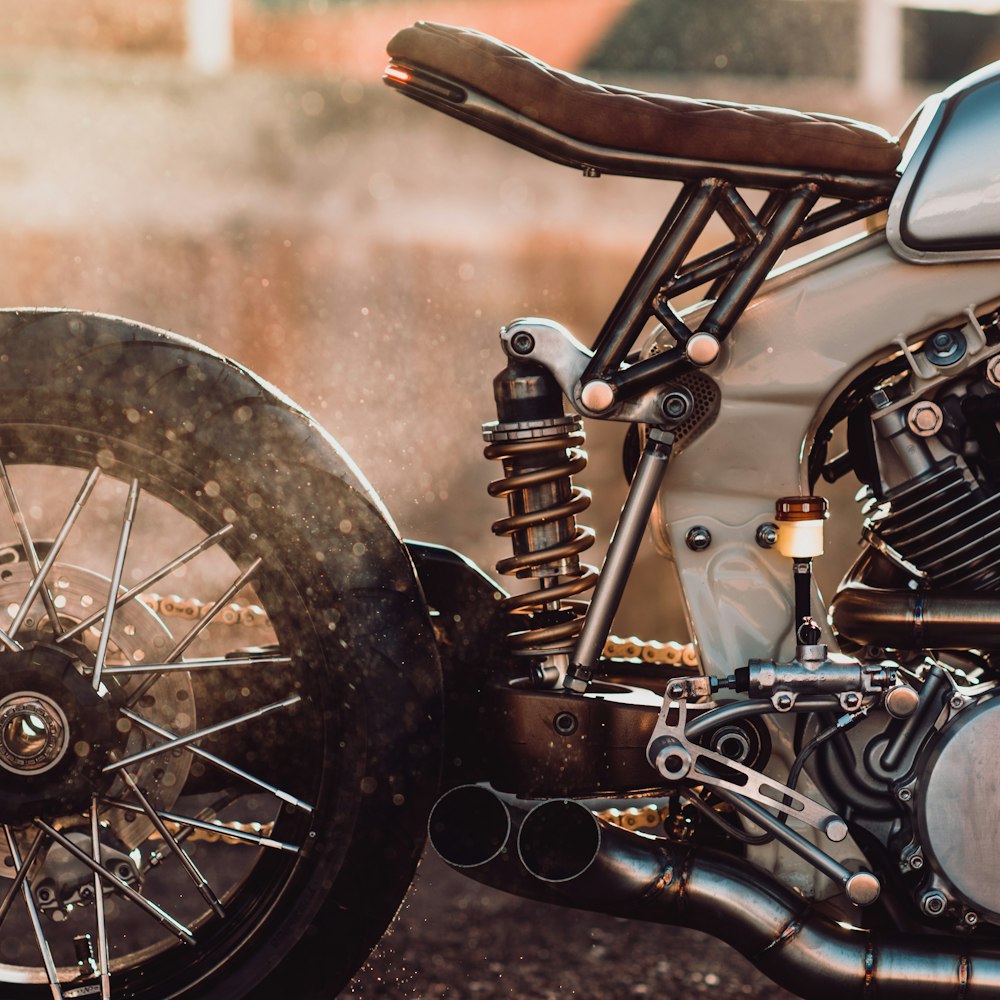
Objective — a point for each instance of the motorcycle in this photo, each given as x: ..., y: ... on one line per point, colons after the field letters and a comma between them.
x: 198, y: 796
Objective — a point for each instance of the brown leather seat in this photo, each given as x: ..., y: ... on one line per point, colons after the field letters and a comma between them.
x: 639, y: 122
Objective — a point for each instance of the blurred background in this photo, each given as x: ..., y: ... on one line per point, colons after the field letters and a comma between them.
x: 234, y: 170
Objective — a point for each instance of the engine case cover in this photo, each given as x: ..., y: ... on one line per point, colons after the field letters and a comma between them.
x: 958, y: 814
x: 947, y: 205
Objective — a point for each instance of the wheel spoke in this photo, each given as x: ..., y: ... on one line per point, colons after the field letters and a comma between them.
x: 36, y: 923
x: 153, y: 578
x: 19, y: 878
x: 126, y: 890
x: 116, y: 578
x: 38, y: 578
x: 103, y: 955
x: 207, y: 663
x: 191, y: 823
x: 219, y: 762
x: 203, y: 623
x: 30, y: 552
x: 176, y: 742
x: 201, y: 883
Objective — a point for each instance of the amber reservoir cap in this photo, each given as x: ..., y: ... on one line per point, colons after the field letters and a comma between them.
x: 801, y: 509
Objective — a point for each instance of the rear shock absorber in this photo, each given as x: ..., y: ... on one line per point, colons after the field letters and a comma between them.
x: 540, y: 448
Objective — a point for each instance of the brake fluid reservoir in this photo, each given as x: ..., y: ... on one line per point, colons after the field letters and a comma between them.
x: 800, y: 526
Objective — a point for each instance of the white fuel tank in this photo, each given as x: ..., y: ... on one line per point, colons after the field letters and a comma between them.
x: 947, y: 205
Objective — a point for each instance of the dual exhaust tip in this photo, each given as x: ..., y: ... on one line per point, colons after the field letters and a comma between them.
x: 556, y: 840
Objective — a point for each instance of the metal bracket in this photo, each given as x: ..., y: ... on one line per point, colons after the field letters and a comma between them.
x: 552, y: 346
x: 677, y: 758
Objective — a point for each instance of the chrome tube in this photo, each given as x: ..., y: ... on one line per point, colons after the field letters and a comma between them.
x: 587, y: 863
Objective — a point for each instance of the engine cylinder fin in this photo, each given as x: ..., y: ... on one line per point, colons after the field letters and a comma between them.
x: 945, y: 526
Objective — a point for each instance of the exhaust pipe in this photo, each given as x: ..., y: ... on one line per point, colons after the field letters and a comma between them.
x: 568, y: 856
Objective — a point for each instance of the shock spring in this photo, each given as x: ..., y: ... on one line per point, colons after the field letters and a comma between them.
x: 540, y: 455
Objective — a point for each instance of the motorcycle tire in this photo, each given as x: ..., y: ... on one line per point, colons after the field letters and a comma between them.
x: 319, y: 679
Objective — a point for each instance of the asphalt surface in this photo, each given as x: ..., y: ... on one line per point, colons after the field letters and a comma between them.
x: 455, y: 938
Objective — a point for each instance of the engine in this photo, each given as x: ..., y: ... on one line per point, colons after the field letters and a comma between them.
x: 925, y: 444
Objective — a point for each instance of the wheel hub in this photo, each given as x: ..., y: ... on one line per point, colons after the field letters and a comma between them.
x: 34, y: 733
x: 55, y: 733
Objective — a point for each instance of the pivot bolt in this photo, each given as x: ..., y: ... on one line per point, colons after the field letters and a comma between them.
x: 933, y: 902
x: 698, y: 538
x: 522, y: 343
x: 673, y: 762
x: 597, y: 396
x: 675, y: 405
x: 677, y: 690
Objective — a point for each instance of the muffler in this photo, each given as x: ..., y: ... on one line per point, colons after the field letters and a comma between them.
x: 560, y: 852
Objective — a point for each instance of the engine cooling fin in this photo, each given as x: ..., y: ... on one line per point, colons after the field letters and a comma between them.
x: 946, y: 527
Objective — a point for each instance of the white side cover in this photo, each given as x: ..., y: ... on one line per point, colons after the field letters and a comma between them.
x: 811, y: 330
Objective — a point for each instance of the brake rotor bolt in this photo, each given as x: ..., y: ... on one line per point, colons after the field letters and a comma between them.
x: 904, y: 795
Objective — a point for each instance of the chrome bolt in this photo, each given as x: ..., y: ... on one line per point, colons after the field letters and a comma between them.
x: 851, y: 700
x: 767, y: 535
x: 917, y: 862
x: 971, y: 918
x: 957, y: 702
x: 783, y: 702
x: 904, y: 795
x: 673, y: 762
x: 698, y: 539
x: 933, y: 902
x: 925, y: 418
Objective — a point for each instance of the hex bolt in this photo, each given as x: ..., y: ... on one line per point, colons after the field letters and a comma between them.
x: 565, y: 723
x: 851, y: 700
x: 698, y: 538
x: 767, y: 535
x: 522, y: 343
x: 933, y: 902
x: 925, y: 418
x: 783, y: 702
x: 904, y: 795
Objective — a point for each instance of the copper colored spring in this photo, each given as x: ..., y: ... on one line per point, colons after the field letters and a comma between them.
x: 555, y: 558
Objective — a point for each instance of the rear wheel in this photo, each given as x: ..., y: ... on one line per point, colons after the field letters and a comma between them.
x: 218, y: 687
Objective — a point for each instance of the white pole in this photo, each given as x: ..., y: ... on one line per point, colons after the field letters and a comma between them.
x: 208, y: 26
x: 880, y: 44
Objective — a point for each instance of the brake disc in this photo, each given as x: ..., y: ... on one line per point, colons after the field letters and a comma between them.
x: 138, y: 635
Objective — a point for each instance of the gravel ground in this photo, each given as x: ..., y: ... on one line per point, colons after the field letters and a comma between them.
x: 456, y: 938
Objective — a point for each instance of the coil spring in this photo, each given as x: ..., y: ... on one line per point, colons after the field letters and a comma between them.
x: 545, y: 559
